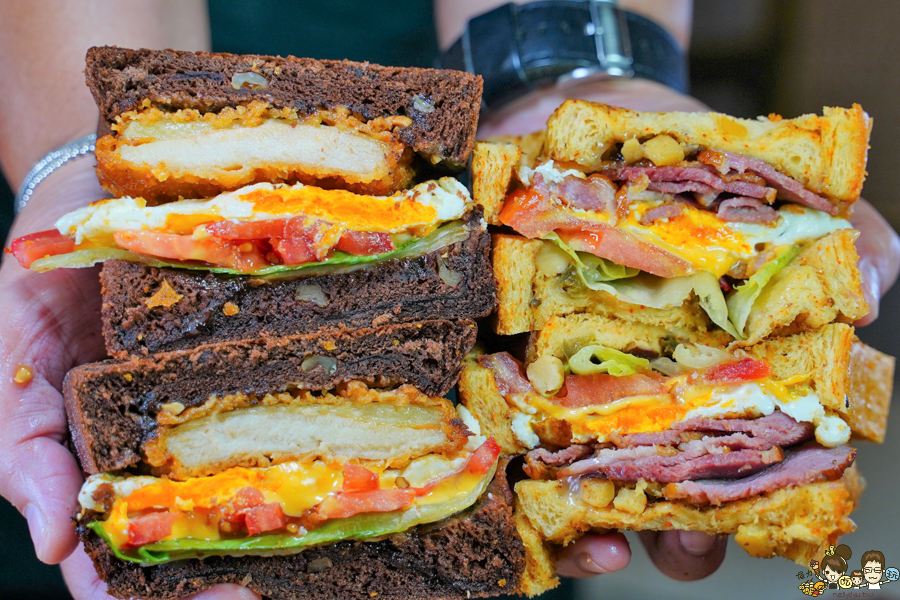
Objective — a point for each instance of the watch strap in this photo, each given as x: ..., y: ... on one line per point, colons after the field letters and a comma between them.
x: 517, y: 48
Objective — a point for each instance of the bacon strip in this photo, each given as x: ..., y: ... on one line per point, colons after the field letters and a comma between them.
x: 788, y: 189
x: 742, y: 209
x: 508, y: 373
x: 807, y: 464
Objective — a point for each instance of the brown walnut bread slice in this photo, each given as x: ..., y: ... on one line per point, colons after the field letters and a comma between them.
x: 443, y: 105
x: 215, y: 308
x: 112, y: 406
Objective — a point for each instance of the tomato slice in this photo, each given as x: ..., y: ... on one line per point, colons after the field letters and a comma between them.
x: 149, y: 528
x: 484, y: 457
x: 247, y: 230
x: 31, y: 247
x: 264, y: 518
x: 343, y: 505
x: 365, y: 243
x: 212, y: 250
x: 745, y: 369
x: 601, y: 388
x: 359, y: 479
x: 247, y: 497
x: 623, y: 248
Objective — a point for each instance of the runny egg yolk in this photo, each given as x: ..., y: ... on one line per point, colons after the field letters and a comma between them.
x: 648, y: 414
x: 697, y: 236
x: 342, y: 208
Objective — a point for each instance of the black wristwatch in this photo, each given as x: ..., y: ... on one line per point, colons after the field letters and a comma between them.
x: 517, y: 48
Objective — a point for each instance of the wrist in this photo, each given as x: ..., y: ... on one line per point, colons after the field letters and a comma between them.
x: 71, y: 186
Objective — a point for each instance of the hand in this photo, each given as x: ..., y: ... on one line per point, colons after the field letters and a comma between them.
x: 51, y: 323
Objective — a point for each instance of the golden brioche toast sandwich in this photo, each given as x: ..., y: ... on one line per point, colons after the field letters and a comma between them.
x: 687, y: 281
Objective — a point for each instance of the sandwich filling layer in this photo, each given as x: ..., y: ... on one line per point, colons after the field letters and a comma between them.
x: 638, y: 224
x: 259, y: 229
x: 241, y: 475
x: 185, y: 153
x: 280, y: 509
x: 381, y: 429
x: 620, y: 417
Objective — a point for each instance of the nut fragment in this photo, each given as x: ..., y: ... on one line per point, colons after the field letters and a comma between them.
x: 547, y: 374
x: 252, y: 81
x: 598, y: 492
x: 326, y: 362
x: 402, y: 482
x: 318, y: 565
x: 311, y: 293
x: 173, y: 408
x: 632, y: 501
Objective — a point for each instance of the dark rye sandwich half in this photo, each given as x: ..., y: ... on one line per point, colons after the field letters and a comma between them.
x: 196, y: 124
x: 214, y: 243
x: 304, y: 467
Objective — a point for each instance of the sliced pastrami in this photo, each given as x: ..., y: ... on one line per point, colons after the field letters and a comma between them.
x: 683, y: 179
x: 595, y: 193
x: 788, y: 189
x: 778, y: 428
x: 742, y: 209
x: 665, y: 211
x: 683, y: 467
x: 807, y: 464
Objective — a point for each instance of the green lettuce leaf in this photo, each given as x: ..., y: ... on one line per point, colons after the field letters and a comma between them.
x: 600, y: 359
x: 359, y: 527
x: 592, y: 270
x: 740, y: 302
x: 339, y: 262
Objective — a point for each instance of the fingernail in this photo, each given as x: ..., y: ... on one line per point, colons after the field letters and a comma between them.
x: 589, y: 564
x: 37, y: 527
x: 695, y: 542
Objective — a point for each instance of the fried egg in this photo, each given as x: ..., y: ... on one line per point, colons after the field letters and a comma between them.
x: 417, y: 210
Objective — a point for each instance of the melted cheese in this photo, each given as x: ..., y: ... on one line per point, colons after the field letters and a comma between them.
x: 417, y: 211
x: 297, y: 487
x: 686, y: 399
x: 699, y: 236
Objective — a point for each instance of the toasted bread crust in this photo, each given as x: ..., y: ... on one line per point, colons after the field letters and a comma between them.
x: 112, y: 405
x: 797, y: 522
x: 492, y: 170
x: 827, y: 154
x: 122, y: 80
x: 871, y: 387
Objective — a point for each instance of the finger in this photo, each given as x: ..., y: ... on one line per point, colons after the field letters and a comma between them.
x: 81, y: 577
x: 41, y: 330
x: 593, y: 555
x: 879, y: 254
x: 684, y: 555
x: 38, y: 474
x: 84, y: 584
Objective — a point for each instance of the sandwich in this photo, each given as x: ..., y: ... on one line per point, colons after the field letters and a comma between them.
x: 289, y: 283
x: 686, y: 284
x: 268, y: 158
x: 297, y: 471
